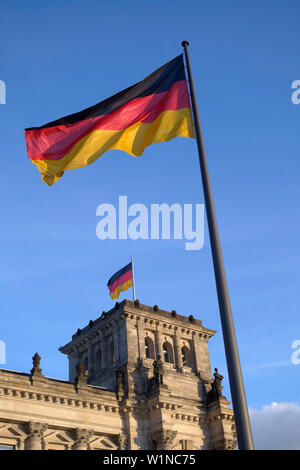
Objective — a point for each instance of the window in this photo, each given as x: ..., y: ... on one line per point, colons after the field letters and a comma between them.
x: 149, y: 348
x: 186, y: 357
x: 168, y: 352
x: 186, y: 445
x: 86, y: 364
x: 6, y: 447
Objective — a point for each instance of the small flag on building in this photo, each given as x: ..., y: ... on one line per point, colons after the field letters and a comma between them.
x: 121, y: 281
x: 154, y: 110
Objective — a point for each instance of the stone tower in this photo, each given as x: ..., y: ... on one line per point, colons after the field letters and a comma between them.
x: 157, y: 364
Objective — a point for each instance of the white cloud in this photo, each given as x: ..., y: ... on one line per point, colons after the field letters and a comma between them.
x: 276, y: 426
x: 269, y: 365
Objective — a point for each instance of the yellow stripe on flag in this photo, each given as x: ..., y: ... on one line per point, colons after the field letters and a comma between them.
x: 133, y: 140
x: 115, y: 294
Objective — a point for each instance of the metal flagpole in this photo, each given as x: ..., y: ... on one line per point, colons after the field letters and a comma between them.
x: 244, y: 434
x: 133, y: 284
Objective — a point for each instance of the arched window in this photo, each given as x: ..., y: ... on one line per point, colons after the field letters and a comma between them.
x: 149, y: 348
x: 168, y: 352
x: 98, y: 360
x: 186, y: 357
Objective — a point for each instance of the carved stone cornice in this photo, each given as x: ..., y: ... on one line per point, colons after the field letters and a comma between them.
x: 131, y: 311
x: 64, y: 395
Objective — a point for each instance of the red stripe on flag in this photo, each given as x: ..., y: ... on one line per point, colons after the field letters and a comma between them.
x: 53, y: 143
x: 122, y: 279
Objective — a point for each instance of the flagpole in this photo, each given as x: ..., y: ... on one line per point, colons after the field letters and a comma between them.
x: 133, y: 284
x: 239, y: 402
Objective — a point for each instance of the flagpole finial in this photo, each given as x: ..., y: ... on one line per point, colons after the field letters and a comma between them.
x: 185, y: 43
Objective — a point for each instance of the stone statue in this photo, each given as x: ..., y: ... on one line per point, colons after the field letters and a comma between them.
x: 216, y: 387
x: 36, y: 360
x: 80, y: 378
x: 158, y: 370
x: 217, y: 383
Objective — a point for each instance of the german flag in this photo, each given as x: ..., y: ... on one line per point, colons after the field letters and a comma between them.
x: 154, y: 110
x: 120, y: 281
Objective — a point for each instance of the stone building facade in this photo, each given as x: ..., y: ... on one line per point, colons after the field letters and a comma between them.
x: 139, y: 378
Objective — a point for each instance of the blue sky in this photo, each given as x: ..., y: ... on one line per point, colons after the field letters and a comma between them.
x: 60, y: 57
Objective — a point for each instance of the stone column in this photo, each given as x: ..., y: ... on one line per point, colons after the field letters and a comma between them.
x: 104, y: 352
x: 141, y: 339
x: 177, y: 351
x: 35, y: 434
x: 118, y: 357
x: 122, y: 440
x: 98, y: 360
x: 116, y: 344
x: 164, y: 439
x: 91, y: 361
x: 158, y: 345
x: 99, y: 346
x: 82, y: 438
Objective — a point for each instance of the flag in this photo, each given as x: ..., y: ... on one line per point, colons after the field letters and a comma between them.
x: 120, y: 281
x: 154, y: 110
